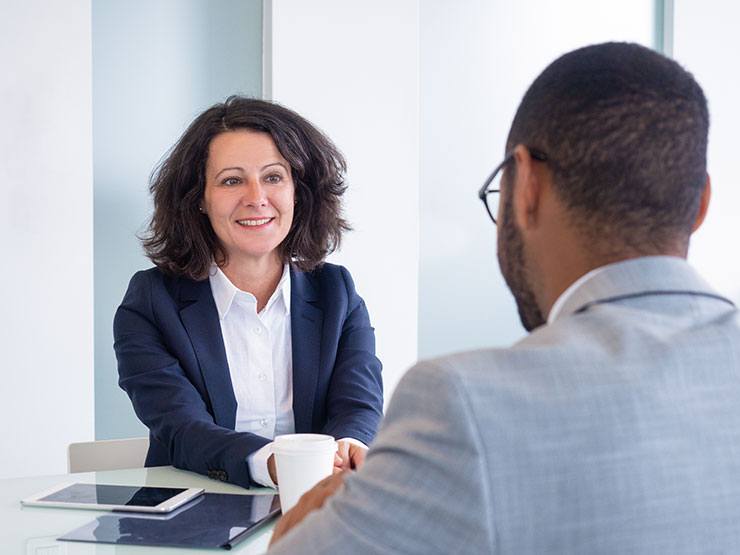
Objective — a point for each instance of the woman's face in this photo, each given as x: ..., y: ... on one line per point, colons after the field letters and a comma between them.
x: 249, y: 195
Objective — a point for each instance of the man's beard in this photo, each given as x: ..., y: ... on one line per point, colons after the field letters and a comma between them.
x: 512, y: 264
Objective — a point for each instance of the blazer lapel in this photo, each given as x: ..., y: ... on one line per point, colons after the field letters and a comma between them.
x: 200, y: 318
x: 306, y: 321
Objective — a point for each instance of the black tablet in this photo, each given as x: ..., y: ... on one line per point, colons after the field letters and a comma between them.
x: 212, y: 520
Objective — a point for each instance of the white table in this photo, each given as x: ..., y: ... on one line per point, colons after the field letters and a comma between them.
x: 33, y: 530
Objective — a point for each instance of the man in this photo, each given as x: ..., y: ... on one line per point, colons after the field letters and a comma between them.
x: 615, y: 425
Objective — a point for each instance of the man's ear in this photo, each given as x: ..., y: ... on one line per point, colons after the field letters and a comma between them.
x: 706, y: 195
x: 527, y: 189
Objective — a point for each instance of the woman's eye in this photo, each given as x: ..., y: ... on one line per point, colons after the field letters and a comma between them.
x: 274, y: 178
x: 231, y: 181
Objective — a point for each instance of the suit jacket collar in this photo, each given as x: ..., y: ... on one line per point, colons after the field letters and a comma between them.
x: 306, y: 324
x: 302, y: 286
x: 636, y: 277
x: 199, y: 316
x: 188, y: 290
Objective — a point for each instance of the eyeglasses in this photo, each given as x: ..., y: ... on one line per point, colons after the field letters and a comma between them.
x: 489, y: 193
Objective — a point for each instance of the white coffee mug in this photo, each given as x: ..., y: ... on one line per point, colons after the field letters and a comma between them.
x: 301, y: 460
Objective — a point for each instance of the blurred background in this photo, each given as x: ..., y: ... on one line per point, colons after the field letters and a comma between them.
x: 418, y: 94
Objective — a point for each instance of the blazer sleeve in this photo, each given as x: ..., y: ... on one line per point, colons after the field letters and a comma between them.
x: 355, y: 394
x: 166, y: 400
x: 424, y: 487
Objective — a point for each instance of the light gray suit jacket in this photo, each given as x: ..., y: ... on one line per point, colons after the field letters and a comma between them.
x: 615, y: 429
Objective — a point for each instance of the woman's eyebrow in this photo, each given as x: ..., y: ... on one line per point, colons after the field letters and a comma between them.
x: 263, y: 168
x: 231, y: 168
x: 274, y: 164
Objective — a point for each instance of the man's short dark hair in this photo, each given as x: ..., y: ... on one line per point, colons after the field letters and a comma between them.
x: 180, y: 240
x: 625, y: 130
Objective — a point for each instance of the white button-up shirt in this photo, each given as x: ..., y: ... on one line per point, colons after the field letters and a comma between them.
x: 259, y: 353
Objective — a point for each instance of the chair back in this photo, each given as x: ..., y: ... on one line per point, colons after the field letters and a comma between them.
x: 110, y: 454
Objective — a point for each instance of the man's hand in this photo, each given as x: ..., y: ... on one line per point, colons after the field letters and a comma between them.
x: 350, y: 456
x: 310, y: 501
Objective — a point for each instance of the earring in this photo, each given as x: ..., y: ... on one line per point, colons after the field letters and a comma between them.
x: 200, y: 209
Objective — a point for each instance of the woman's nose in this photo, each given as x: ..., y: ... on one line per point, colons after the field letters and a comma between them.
x: 254, y: 194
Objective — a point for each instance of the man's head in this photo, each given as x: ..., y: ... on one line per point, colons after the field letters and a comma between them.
x: 625, y: 134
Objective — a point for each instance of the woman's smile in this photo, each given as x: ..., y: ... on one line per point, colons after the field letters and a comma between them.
x: 256, y: 223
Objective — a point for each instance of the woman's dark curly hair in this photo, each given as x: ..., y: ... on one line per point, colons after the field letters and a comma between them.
x: 180, y: 240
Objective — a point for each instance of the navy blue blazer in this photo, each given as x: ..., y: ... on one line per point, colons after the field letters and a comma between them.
x: 172, y: 363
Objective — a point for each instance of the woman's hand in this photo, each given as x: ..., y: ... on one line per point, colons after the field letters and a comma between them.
x: 310, y: 501
x: 349, y: 456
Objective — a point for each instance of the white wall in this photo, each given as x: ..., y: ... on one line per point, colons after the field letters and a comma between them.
x: 477, y: 60
x: 706, y: 42
x: 46, y: 334
x: 352, y: 69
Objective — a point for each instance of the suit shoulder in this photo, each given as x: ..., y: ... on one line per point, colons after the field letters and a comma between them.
x: 154, y: 284
x: 328, y: 271
x: 332, y: 278
x: 148, y: 278
x: 480, y: 370
x: 428, y: 375
x: 434, y: 393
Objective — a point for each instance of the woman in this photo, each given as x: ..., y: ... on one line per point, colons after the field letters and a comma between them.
x: 241, y: 332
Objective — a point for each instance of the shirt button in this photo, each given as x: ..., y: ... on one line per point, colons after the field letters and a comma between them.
x: 263, y: 422
x: 262, y: 376
x: 257, y: 330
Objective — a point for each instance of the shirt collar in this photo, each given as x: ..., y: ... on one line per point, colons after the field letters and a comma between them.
x: 224, y: 292
x: 557, y: 306
x: 282, y: 291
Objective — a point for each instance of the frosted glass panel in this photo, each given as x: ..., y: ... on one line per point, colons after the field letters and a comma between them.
x: 155, y: 66
x: 706, y: 42
x: 476, y: 62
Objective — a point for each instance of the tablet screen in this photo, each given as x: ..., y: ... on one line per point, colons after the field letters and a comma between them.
x: 101, y: 494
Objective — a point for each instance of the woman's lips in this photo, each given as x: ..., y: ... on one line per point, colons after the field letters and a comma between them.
x: 254, y: 222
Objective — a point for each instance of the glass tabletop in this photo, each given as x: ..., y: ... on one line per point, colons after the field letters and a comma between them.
x: 34, y: 530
